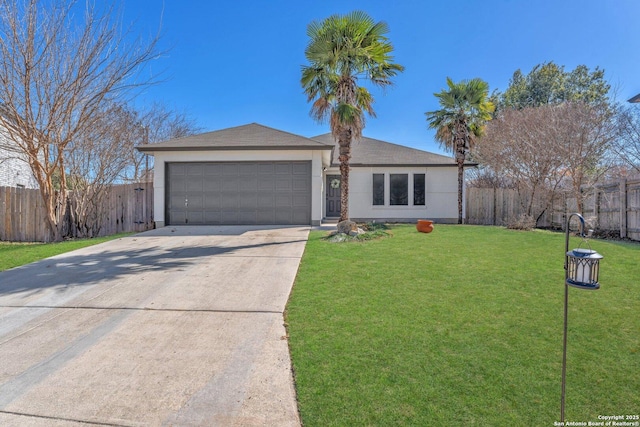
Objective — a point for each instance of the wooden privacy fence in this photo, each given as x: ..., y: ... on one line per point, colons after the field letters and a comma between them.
x: 126, y: 208
x: 22, y: 215
x: 612, y: 207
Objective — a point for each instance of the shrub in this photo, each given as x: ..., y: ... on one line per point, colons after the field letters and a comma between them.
x: 523, y: 222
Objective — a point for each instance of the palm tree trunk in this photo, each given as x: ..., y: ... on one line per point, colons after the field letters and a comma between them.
x: 461, y: 146
x: 460, y: 188
x: 344, y: 142
x: 344, y: 190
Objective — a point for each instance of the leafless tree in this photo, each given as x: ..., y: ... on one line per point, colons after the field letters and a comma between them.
x: 157, y: 123
x: 627, y: 146
x: 95, y: 160
x: 519, y: 146
x: 58, y: 74
x: 106, y: 155
x: 589, y: 134
x: 543, y: 149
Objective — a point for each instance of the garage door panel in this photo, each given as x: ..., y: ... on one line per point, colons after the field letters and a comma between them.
x: 248, y: 200
x: 239, y: 193
x: 212, y: 183
x: 283, y: 200
x: 248, y: 169
x: 266, y: 168
x: 194, y: 186
x: 178, y: 169
x: 283, y: 168
x: 266, y: 217
x: 230, y: 183
x: 299, y: 216
x: 248, y: 184
x: 178, y: 217
x: 229, y: 200
x: 300, y: 185
x: 212, y: 217
x: 266, y: 200
x: 195, y: 217
x: 283, y: 216
x: 195, y: 169
x: 300, y: 201
x: 247, y: 217
x: 212, y: 201
x: 230, y: 169
x: 179, y: 183
x: 176, y: 202
x: 212, y: 169
x: 195, y: 202
x: 229, y: 217
x: 283, y: 185
x: 301, y: 169
x: 267, y: 184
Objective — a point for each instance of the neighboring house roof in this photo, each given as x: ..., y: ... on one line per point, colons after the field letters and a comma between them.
x: 635, y: 99
x: 373, y: 152
x: 247, y: 137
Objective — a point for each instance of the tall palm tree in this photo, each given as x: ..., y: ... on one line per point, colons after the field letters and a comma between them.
x: 461, y: 120
x: 342, y: 50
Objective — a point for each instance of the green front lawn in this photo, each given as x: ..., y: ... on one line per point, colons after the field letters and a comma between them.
x: 462, y: 326
x: 17, y: 254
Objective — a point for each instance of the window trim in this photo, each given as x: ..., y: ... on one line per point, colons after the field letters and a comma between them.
x: 373, y: 190
x: 386, y: 186
x: 424, y: 189
x: 404, y: 198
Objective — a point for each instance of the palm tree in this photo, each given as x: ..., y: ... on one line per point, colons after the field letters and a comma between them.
x: 343, y: 50
x: 460, y: 122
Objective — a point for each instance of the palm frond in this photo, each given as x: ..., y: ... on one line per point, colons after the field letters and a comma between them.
x: 465, y: 108
x: 342, y: 50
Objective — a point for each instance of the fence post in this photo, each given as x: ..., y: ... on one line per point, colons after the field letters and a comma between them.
x: 623, y: 208
x: 495, y: 208
x: 596, y: 204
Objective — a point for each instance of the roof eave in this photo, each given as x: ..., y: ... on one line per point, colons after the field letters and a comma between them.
x: 404, y: 165
x: 150, y: 148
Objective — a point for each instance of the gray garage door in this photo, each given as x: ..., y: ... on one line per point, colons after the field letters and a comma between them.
x: 238, y: 193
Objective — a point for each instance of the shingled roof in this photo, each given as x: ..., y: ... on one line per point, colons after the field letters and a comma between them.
x: 373, y: 152
x: 253, y: 136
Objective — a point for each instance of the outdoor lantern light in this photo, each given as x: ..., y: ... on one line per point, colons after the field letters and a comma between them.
x: 581, y: 268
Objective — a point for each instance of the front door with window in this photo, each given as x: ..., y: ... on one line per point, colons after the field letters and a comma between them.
x: 333, y: 196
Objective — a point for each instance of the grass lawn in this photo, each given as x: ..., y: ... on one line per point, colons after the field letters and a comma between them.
x: 17, y: 254
x: 462, y: 326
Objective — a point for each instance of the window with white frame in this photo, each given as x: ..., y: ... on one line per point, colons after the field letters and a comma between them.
x: 400, y: 192
x: 378, y: 189
x: 418, y: 189
x: 398, y: 189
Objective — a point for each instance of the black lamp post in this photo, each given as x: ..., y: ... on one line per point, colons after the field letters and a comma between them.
x: 581, y: 268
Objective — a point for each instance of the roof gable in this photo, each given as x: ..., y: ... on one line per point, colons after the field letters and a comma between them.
x: 253, y: 136
x: 374, y: 152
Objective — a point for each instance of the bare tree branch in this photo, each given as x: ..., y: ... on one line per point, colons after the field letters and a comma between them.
x: 58, y: 74
x: 544, y: 149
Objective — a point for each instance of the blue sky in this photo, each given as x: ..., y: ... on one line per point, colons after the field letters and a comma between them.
x: 237, y: 62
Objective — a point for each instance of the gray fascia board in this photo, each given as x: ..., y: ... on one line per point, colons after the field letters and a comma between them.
x: 150, y: 148
x: 402, y: 165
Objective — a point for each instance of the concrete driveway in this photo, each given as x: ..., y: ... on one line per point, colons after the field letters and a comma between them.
x: 180, y: 326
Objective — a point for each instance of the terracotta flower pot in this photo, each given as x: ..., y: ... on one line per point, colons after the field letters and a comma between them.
x: 424, y: 226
